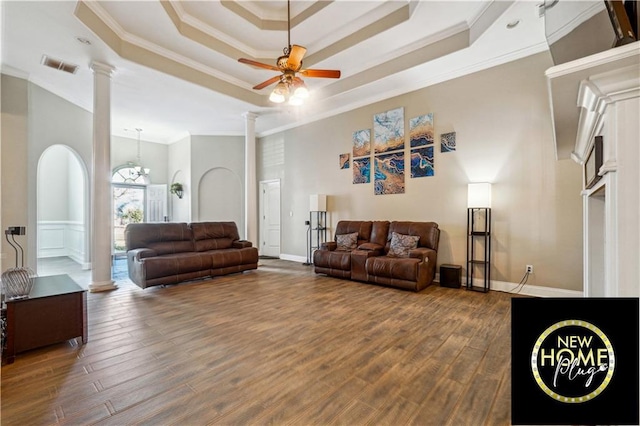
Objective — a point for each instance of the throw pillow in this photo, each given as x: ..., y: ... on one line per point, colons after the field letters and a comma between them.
x: 347, y: 241
x: 401, y: 244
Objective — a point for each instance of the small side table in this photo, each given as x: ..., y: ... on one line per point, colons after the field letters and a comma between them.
x: 54, y: 312
x: 450, y: 276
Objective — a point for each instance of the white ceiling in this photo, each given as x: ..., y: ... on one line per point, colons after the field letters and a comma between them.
x: 176, y: 62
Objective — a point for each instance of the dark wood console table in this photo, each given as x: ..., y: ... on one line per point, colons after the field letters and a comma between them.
x: 54, y: 312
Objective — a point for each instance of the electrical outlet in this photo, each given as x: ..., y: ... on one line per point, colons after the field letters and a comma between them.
x: 15, y: 230
x: 529, y: 269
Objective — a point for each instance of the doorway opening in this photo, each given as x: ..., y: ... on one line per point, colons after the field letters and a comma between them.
x: 129, y: 191
x: 269, y: 245
x: 62, y: 234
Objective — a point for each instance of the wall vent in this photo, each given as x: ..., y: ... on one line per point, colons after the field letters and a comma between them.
x: 58, y: 64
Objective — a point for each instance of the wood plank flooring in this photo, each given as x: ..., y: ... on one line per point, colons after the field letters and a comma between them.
x: 279, y: 345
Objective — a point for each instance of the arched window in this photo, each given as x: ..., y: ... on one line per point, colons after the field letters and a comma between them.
x: 129, y: 175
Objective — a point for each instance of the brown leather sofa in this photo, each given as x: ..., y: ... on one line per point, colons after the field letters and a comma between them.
x: 169, y: 253
x: 370, y: 262
x: 335, y: 261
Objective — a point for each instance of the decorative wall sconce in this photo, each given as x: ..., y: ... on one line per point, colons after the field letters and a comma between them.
x: 176, y: 188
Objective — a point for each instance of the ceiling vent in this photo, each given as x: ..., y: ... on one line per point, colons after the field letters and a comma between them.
x: 58, y: 64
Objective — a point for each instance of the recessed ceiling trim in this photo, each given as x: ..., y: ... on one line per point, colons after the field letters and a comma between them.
x: 428, y: 53
x: 243, y: 10
x: 395, y: 18
x: 486, y: 18
x: 199, y: 32
x: 128, y: 48
x: 256, y: 21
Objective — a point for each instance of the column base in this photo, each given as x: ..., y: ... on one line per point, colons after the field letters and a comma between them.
x: 102, y: 286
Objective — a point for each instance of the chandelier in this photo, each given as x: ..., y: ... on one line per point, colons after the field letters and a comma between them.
x: 138, y: 170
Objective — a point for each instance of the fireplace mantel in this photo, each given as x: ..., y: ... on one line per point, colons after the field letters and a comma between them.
x: 600, y: 96
x: 580, y: 90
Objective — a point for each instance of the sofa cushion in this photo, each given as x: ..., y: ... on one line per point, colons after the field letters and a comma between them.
x: 347, y: 241
x: 163, y: 238
x: 232, y: 257
x: 214, y: 235
x: 393, y: 267
x: 401, y: 244
x: 175, y: 264
x: 363, y: 228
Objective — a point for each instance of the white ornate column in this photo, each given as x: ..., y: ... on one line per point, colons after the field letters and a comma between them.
x: 250, y: 184
x: 101, y: 211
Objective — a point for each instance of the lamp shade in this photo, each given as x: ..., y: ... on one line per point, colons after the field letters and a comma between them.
x: 479, y: 195
x: 318, y: 203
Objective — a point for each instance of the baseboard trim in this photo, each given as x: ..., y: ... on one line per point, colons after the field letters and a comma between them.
x: 293, y: 258
x: 531, y: 290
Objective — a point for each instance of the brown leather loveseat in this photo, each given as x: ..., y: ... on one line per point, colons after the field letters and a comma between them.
x: 169, y: 253
x: 377, y: 259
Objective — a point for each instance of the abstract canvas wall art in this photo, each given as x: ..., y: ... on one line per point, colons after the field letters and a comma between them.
x: 421, y: 130
x: 361, y: 143
x: 344, y: 160
x: 388, y: 131
x: 448, y: 142
x: 362, y: 170
x: 389, y: 173
x: 422, y: 162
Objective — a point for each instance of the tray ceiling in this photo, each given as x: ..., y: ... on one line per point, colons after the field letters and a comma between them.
x: 176, y: 61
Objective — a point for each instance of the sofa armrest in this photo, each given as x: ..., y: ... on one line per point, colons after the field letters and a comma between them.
x: 423, y: 253
x: 241, y: 244
x: 371, y: 247
x: 141, y: 253
x: 329, y: 245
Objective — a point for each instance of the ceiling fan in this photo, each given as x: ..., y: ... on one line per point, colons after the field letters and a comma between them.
x: 289, y: 84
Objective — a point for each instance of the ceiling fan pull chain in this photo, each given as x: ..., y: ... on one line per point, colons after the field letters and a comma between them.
x: 288, y: 27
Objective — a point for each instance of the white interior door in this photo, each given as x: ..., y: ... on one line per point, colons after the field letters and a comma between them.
x: 156, y: 209
x: 270, y: 218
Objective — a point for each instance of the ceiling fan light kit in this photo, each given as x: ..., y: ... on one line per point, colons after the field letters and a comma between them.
x: 290, y: 87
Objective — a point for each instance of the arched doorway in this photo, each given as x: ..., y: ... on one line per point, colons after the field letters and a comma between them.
x: 62, y: 210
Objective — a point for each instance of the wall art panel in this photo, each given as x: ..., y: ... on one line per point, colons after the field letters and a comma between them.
x: 362, y: 170
x: 389, y: 173
x: 361, y: 143
x: 421, y: 130
x: 422, y: 162
x: 388, y: 131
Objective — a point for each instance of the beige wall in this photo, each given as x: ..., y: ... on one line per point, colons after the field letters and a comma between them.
x: 217, y: 179
x: 502, y: 121
x: 13, y: 158
x: 179, y: 170
x: 152, y: 155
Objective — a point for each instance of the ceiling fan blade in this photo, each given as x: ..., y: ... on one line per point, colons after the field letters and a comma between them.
x: 267, y: 83
x: 258, y: 64
x: 320, y: 73
x: 295, y: 56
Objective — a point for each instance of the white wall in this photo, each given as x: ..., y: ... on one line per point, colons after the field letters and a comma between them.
x: 179, y: 170
x: 53, y: 184
x: 61, y: 227
x: 502, y: 121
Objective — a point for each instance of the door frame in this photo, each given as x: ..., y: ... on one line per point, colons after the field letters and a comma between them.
x: 261, y: 237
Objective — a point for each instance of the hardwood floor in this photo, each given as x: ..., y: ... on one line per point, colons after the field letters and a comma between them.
x: 279, y: 345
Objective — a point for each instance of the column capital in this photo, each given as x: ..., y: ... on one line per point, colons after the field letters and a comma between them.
x: 102, y: 68
x: 250, y: 115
